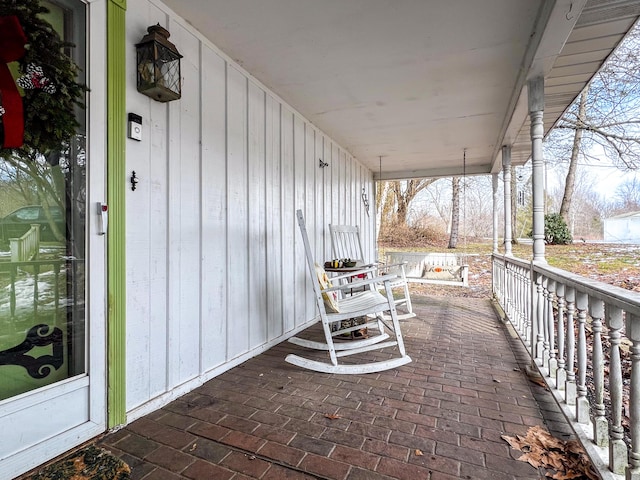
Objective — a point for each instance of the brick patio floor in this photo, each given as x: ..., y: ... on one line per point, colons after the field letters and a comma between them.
x: 439, y: 417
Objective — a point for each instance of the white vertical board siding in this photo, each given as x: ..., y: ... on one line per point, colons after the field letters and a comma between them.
x: 146, y: 233
x: 288, y: 221
x: 343, y: 185
x: 311, y: 168
x: 299, y: 185
x: 273, y: 175
x: 186, y: 226
x: 237, y: 216
x: 318, y: 197
x: 336, y: 181
x: 216, y: 270
x: 213, y: 342
x: 257, y: 294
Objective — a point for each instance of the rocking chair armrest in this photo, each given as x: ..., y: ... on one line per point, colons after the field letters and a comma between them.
x: 361, y: 283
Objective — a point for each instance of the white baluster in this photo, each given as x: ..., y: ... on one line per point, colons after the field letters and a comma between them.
x: 561, y: 374
x: 617, y: 447
x: 545, y: 322
x: 553, y: 361
x: 526, y: 292
x: 539, y: 318
x: 599, y: 421
x: 633, y: 333
x: 518, y: 290
x: 570, y: 384
x: 582, y: 403
x: 522, y: 299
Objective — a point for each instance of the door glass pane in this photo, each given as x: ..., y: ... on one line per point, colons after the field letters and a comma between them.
x: 42, y: 198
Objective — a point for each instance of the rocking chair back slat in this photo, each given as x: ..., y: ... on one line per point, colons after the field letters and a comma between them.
x: 346, y: 243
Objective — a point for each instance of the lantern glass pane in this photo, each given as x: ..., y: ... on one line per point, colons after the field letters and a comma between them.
x: 168, y: 69
x: 146, y: 70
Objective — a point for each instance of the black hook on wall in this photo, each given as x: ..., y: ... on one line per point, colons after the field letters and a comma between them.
x: 134, y: 181
x: 322, y: 164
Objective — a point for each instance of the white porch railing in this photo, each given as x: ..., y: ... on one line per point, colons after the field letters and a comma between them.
x: 27, y: 246
x: 552, y: 310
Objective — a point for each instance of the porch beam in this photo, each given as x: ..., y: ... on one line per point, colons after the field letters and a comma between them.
x: 506, y: 172
x: 536, y: 109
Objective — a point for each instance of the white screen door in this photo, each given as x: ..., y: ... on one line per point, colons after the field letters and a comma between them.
x: 52, y: 260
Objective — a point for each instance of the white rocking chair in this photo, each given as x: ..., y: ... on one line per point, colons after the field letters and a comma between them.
x: 361, y: 304
x: 345, y: 243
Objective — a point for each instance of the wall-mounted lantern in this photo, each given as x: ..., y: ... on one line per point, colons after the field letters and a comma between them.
x: 158, y: 65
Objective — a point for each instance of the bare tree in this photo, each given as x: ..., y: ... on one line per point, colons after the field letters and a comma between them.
x: 565, y: 206
x: 604, y: 119
x: 440, y: 194
x: 455, y: 212
x: 405, y: 191
x: 477, y: 206
x: 384, y: 205
x: 627, y: 196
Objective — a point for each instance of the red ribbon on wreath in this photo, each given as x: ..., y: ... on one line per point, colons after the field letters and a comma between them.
x: 12, y: 42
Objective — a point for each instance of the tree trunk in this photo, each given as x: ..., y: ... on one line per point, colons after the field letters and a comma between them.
x: 569, y: 187
x: 381, y: 205
x: 405, y: 191
x: 455, y: 211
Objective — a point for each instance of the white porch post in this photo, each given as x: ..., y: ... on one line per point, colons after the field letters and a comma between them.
x: 506, y: 172
x: 536, y: 108
x: 494, y: 184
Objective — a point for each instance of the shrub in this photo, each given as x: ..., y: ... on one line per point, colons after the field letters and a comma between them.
x: 556, y: 231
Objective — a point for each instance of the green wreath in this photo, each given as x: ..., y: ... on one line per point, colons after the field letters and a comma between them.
x: 49, y: 118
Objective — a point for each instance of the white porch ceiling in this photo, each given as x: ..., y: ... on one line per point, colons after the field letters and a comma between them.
x: 417, y: 82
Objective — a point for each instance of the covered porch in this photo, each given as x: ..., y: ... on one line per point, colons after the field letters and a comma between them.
x: 440, y: 417
x: 200, y: 279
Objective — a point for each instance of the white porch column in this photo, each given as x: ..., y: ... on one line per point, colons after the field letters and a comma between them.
x: 506, y: 172
x: 494, y: 184
x: 536, y: 108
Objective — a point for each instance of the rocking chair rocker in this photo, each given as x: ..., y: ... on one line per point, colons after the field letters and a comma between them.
x: 335, y: 308
x: 345, y: 243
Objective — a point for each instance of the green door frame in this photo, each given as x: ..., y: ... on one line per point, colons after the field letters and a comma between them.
x: 116, y: 259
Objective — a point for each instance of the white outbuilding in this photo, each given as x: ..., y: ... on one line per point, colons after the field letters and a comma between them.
x: 624, y: 228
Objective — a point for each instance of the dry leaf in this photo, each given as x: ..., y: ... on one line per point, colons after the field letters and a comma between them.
x: 560, y: 460
x: 539, y: 381
x: 419, y: 453
x: 331, y: 416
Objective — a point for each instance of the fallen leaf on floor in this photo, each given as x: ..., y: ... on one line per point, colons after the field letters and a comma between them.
x: 539, y: 381
x: 331, y: 416
x: 559, y: 459
x: 419, y: 453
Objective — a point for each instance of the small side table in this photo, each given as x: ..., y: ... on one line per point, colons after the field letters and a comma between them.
x: 354, y: 321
